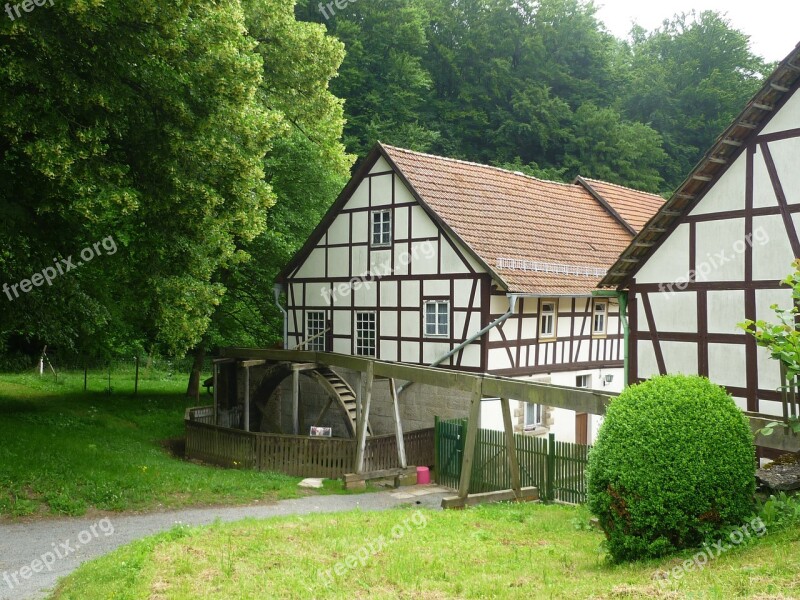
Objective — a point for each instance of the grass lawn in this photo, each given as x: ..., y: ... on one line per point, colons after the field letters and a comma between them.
x: 66, y: 451
x: 499, y: 551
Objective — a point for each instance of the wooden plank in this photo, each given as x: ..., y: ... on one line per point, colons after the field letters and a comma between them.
x: 247, y: 398
x: 252, y: 363
x: 362, y: 430
x: 469, y: 444
x: 577, y: 399
x: 456, y: 380
x: 398, y: 425
x: 216, y: 400
x: 526, y: 494
x: 380, y: 474
x: 295, y: 402
x: 510, y: 446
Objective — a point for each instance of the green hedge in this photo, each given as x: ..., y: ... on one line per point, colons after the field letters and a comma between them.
x: 674, y: 462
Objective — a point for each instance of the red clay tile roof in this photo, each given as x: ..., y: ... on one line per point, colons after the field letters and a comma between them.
x: 632, y: 205
x: 559, y: 229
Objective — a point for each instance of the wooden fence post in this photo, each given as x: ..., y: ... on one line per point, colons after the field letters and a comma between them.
x: 472, y: 435
x: 513, y: 463
x: 296, y: 401
x: 136, y: 378
x: 550, y: 492
x: 362, y: 430
x: 436, y: 460
x: 398, y: 426
x: 247, y: 398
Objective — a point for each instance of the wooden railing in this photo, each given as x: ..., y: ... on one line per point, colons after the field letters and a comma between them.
x: 296, y: 455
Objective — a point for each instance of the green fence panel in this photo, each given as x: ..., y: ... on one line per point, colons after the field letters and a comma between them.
x: 557, y: 469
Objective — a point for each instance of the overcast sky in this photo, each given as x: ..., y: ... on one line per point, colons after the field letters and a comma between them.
x: 771, y: 24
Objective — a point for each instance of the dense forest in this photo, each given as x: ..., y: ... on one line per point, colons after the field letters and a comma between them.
x: 205, y: 140
x: 539, y: 85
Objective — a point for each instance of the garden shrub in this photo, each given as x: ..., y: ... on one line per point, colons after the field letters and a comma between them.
x: 674, y: 463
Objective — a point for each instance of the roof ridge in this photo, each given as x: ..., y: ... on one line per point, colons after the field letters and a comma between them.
x: 475, y: 164
x: 625, y: 187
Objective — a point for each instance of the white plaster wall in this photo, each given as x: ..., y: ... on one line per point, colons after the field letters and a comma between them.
x: 772, y: 259
x: 671, y: 311
x: 670, y: 261
x: 785, y: 153
x: 728, y: 193
x: 720, y: 250
x: 727, y: 364
x: 725, y: 310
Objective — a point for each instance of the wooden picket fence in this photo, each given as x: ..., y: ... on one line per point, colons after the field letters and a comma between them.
x: 556, y: 468
x: 300, y: 456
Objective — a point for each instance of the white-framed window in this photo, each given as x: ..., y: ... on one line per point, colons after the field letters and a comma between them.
x: 315, y: 327
x: 437, y: 318
x: 583, y: 381
x: 547, y: 319
x: 533, y: 415
x: 365, y: 333
x: 599, y: 317
x: 381, y: 227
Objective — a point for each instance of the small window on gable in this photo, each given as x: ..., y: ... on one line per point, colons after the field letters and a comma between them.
x: 533, y: 415
x: 437, y: 318
x: 381, y: 228
x: 547, y: 319
x: 583, y: 381
x: 599, y: 317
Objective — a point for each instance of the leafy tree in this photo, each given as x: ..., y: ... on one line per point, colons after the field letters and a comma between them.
x: 306, y: 167
x: 122, y: 118
x: 688, y: 80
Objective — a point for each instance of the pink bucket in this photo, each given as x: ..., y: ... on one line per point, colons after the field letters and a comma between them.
x: 423, y: 475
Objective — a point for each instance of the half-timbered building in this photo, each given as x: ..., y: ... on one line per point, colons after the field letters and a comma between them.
x: 714, y: 254
x: 436, y: 261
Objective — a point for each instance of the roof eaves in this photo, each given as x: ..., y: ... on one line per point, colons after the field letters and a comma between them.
x: 778, y: 88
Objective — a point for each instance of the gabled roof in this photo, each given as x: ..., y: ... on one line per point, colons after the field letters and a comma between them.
x: 541, y: 225
x: 728, y: 146
x: 534, y: 236
x: 634, y: 207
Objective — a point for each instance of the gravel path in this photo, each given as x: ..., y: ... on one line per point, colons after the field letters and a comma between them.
x: 26, y: 547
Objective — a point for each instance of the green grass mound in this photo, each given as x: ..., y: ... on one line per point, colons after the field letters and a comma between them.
x: 674, y: 464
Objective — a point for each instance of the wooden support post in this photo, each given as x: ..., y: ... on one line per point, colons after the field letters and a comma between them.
x: 216, y: 401
x: 362, y: 428
x: 359, y: 393
x: 247, y: 398
x: 296, y: 401
x: 398, y: 426
x: 472, y: 436
x: 513, y: 463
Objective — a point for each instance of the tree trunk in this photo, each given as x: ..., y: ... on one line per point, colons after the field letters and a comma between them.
x: 193, y: 389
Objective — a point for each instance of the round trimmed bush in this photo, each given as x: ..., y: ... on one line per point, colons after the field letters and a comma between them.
x: 674, y: 462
